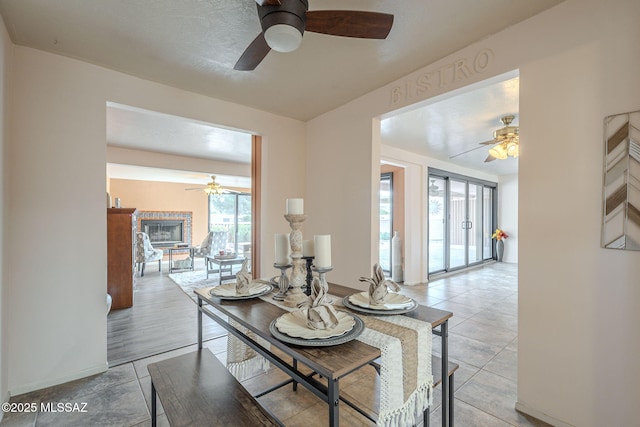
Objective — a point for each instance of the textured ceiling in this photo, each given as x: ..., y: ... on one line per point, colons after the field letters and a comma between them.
x: 193, y: 44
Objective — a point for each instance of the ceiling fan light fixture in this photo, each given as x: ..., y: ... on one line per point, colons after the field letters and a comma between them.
x: 211, y: 191
x: 499, y: 152
x: 513, y: 148
x: 283, y: 38
x: 213, y: 187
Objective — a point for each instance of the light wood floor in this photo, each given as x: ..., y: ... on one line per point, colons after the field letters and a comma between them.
x: 162, y: 318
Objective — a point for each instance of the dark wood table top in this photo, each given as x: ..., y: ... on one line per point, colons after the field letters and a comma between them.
x: 332, y: 361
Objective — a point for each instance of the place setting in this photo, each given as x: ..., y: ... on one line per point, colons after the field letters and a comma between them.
x: 243, y: 288
x: 316, y: 322
x: 378, y: 299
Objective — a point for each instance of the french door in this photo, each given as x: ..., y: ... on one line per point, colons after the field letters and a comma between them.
x: 462, y: 214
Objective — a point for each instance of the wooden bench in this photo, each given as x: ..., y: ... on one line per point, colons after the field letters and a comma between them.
x: 196, y: 389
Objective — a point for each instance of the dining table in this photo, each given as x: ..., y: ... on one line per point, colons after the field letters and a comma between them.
x: 317, y: 368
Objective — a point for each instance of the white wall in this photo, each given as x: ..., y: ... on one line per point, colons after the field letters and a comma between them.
x: 6, y: 51
x: 508, y: 215
x: 58, y: 179
x: 340, y: 193
x: 578, y: 304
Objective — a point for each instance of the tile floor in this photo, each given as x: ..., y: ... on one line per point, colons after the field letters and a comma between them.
x: 483, y: 341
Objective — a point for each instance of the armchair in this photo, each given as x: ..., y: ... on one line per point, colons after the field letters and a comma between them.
x: 146, y: 253
x: 214, y: 242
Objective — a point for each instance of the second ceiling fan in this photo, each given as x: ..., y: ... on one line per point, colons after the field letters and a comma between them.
x: 213, y: 188
x: 506, y: 142
x: 284, y: 22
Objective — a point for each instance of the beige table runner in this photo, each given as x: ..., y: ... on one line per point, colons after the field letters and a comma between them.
x: 406, y: 381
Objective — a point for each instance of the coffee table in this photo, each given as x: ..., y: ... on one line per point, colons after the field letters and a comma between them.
x: 223, y: 262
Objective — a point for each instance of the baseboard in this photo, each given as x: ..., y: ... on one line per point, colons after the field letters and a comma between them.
x: 60, y: 380
x: 520, y: 407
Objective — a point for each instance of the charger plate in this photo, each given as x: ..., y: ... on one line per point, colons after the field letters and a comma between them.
x: 294, y: 324
x: 373, y: 309
x: 228, y: 291
x: 352, y: 334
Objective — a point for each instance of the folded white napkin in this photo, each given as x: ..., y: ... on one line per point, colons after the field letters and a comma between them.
x: 320, y: 311
x: 243, y: 279
x: 379, y: 286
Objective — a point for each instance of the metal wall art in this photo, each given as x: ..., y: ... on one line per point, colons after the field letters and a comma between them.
x: 621, y: 190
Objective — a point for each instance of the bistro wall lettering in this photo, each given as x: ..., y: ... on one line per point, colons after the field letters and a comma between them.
x: 453, y: 72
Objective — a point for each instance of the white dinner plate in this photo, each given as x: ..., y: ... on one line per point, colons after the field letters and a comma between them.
x: 392, y: 301
x: 229, y: 290
x: 294, y: 324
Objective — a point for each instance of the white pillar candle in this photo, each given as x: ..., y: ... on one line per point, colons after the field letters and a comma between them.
x: 322, y: 249
x: 283, y: 249
x: 307, y: 248
x: 295, y: 207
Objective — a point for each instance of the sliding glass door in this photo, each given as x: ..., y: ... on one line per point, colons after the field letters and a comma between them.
x: 474, y: 225
x: 437, y: 224
x: 458, y: 236
x: 231, y: 213
x: 462, y: 214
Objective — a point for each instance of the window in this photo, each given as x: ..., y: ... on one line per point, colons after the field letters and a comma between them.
x: 231, y: 213
x: 386, y: 220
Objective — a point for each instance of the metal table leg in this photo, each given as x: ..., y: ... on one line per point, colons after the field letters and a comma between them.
x: 199, y: 323
x: 333, y: 400
x: 446, y: 397
x: 154, y: 409
x: 451, y: 401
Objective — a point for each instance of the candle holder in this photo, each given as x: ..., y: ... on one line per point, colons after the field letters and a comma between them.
x: 296, y: 280
x: 283, y: 282
x: 323, y: 282
x: 309, y: 278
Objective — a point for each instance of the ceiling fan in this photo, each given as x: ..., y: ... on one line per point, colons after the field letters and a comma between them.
x: 506, y: 142
x: 213, y: 188
x: 284, y: 22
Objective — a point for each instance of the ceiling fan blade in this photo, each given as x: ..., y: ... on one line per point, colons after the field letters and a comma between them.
x: 489, y: 158
x: 350, y: 23
x: 269, y: 2
x: 253, y: 55
x: 464, y: 152
x: 189, y: 189
x: 490, y: 142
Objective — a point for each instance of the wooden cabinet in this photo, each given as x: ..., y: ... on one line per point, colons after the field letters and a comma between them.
x: 121, y: 240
